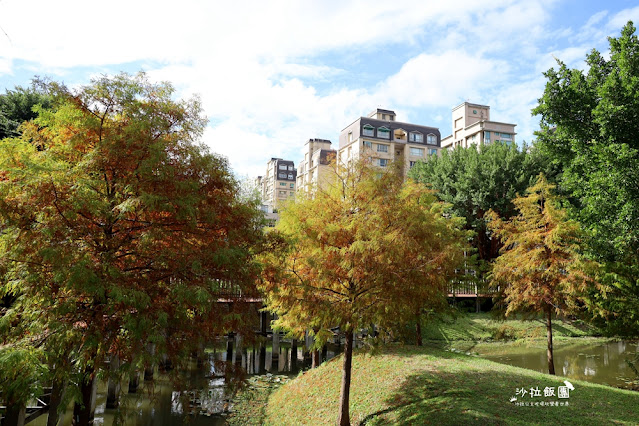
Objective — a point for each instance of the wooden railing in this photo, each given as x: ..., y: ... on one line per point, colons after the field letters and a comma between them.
x: 470, y: 288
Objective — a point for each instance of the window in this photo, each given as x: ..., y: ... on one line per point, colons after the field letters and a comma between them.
x: 431, y: 139
x: 290, y: 175
x: 506, y: 136
x: 281, y: 175
x: 282, y: 193
x: 383, y: 133
x: 282, y: 184
x: 412, y: 163
x: 291, y: 168
x: 416, y: 137
x: 383, y: 162
x: 368, y: 144
x: 350, y: 136
x: 368, y: 130
x: 418, y: 152
x: 291, y: 194
x: 432, y: 151
x: 487, y: 137
x: 382, y: 148
x: 282, y: 166
x: 292, y: 185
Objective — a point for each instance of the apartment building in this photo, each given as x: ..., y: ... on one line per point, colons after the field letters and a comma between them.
x: 382, y: 139
x: 472, y: 126
x: 313, y: 170
x: 276, y: 186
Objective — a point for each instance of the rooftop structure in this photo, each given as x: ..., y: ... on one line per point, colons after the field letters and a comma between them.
x: 314, y: 168
x: 472, y: 126
x: 382, y: 139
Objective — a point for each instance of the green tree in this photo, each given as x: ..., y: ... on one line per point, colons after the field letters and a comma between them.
x: 477, y: 179
x: 589, y: 127
x: 17, y: 106
x: 538, y: 268
x: 367, y: 250
x: 119, y: 228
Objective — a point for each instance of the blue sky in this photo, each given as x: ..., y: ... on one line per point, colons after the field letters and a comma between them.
x: 272, y: 74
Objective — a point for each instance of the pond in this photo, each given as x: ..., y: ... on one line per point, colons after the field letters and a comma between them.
x: 602, y: 362
x: 208, y: 391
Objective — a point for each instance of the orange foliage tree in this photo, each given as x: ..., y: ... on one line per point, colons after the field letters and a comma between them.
x: 539, y: 269
x: 368, y: 249
x: 119, y: 228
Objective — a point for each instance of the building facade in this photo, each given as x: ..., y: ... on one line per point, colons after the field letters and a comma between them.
x: 314, y: 168
x: 276, y: 186
x: 381, y: 139
x: 472, y: 126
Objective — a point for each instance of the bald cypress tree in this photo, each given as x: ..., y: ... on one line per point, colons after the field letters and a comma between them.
x: 539, y: 268
x: 370, y: 249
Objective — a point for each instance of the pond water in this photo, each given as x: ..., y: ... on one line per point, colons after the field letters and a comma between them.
x: 597, y: 362
x: 209, y: 398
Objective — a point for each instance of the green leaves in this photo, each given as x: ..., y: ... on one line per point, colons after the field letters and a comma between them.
x: 475, y: 180
x: 589, y: 124
x: 21, y: 373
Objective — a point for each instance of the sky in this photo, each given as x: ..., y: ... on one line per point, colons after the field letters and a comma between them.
x: 273, y: 74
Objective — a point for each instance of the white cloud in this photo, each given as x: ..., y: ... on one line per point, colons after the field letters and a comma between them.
x: 266, y: 70
x: 442, y: 80
x: 621, y: 18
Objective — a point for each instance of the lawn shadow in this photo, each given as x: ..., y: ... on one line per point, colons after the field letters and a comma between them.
x: 469, y: 395
x: 450, y: 329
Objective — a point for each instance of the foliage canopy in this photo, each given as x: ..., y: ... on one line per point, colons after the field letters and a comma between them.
x: 118, y: 227
x: 475, y: 180
x: 539, y: 269
x: 589, y: 123
x: 368, y: 249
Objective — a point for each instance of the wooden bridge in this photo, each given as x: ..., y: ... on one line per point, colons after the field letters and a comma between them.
x: 23, y: 415
x: 471, y: 290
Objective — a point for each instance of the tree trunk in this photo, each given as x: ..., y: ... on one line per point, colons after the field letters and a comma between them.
x: 150, y: 368
x: 294, y: 355
x: 113, y: 384
x: 134, y: 381
x: 551, y: 362
x: 57, y: 393
x: 344, y: 416
x: 275, y: 352
x: 15, y: 414
x: 84, y: 413
x: 315, y: 358
x: 418, y: 330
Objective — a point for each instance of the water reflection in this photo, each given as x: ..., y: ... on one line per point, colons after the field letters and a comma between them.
x: 603, y: 363
x: 211, y: 382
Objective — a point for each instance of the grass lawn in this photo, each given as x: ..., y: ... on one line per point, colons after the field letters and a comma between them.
x: 483, y: 327
x: 429, y: 385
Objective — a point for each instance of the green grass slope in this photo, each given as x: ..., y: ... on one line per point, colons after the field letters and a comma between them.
x: 410, y: 385
x: 482, y: 326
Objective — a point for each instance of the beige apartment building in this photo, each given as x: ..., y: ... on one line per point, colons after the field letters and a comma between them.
x: 276, y: 186
x: 472, y: 126
x: 382, y: 139
x: 313, y: 170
